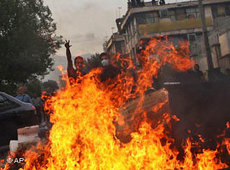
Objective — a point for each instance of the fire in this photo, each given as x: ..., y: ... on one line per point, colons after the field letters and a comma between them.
x: 228, y: 125
x: 84, y: 116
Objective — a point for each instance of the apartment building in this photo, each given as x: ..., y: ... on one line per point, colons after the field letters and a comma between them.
x: 180, y: 21
x: 116, y: 44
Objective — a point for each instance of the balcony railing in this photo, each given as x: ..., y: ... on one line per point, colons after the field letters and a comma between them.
x: 173, y: 25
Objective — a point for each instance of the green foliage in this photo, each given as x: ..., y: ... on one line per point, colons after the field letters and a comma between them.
x: 34, y: 86
x: 93, y: 62
x: 50, y: 86
x: 27, y: 41
x: 8, y: 87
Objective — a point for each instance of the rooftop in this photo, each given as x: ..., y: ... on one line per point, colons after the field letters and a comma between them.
x: 149, y: 7
x: 115, y: 37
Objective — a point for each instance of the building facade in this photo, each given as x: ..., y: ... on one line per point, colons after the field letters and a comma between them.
x: 219, y: 37
x: 180, y: 21
x: 116, y: 44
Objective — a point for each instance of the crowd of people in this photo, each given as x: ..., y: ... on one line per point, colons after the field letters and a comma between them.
x: 141, y: 3
x: 22, y: 96
x: 35, y: 100
x: 109, y: 70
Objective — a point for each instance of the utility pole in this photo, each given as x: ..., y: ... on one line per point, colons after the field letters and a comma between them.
x: 119, y: 10
x: 112, y: 28
x: 205, y: 36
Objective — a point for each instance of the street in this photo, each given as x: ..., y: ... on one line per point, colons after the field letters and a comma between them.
x: 137, y: 84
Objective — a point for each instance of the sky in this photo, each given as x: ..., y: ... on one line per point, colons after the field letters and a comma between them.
x: 86, y: 23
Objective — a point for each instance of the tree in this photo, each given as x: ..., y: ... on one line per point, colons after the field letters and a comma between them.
x: 34, y: 86
x: 27, y: 41
x: 50, y: 86
x: 93, y: 62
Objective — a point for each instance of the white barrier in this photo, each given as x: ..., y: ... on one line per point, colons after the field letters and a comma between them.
x: 25, y: 135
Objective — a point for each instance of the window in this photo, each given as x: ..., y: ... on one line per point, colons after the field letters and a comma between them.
x: 192, y: 13
x: 133, y: 28
x: 180, y: 14
x: 6, y: 104
x: 163, y: 13
x: 151, y: 18
x: 221, y: 10
x: 118, y: 47
x: 214, y: 11
x: 227, y: 9
x: 191, y: 37
x: 141, y: 19
x: 129, y: 32
x: 172, y: 15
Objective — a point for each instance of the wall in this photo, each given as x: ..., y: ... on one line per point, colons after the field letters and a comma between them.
x: 225, y: 43
x: 225, y: 50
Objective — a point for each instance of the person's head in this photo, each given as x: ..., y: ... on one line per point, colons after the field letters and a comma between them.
x: 104, y: 59
x: 25, y: 89
x: 35, y: 95
x: 78, y: 62
x: 197, y: 67
x: 20, y: 91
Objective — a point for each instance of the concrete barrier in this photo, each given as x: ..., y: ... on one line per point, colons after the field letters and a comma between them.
x: 26, y: 136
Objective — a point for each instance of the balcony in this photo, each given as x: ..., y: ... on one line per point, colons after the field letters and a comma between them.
x: 173, y: 25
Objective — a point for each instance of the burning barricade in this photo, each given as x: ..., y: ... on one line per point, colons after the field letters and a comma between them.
x: 111, y: 126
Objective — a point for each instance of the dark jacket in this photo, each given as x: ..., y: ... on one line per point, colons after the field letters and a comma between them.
x: 109, y: 72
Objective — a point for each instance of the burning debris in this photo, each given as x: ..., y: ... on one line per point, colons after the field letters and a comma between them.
x: 108, y: 125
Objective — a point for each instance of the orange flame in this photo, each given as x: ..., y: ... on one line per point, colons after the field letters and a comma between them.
x: 83, y: 135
